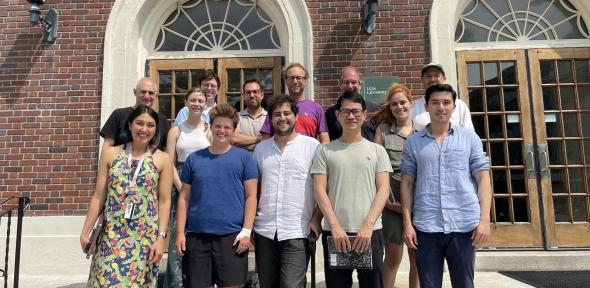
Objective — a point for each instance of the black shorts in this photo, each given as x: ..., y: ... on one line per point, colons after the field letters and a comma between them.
x: 211, y: 259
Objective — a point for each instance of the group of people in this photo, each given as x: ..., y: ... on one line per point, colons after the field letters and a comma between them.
x: 386, y: 174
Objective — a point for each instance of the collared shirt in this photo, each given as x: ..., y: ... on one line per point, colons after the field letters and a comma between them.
x: 445, y: 191
x: 393, y: 142
x: 286, y: 201
x: 249, y: 124
x: 461, y: 116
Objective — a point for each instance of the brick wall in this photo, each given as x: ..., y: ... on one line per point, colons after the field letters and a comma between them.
x: 398, y: 47
x: 50, y: 95
x: 50, y: 105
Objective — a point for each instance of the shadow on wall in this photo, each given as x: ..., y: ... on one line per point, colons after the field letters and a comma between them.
x: 20, y: 67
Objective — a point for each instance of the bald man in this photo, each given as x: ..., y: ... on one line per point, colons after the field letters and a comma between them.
x: 146, y: 93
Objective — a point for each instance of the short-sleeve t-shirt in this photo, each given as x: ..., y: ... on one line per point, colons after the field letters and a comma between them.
x: 311, y: 120
x: 217, y: 198
x: 114, y: 128
x: 351, y: 169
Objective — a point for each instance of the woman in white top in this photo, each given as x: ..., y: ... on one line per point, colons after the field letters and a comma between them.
x: 184, y: 139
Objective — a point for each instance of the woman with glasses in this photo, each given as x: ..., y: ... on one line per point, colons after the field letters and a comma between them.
x: 184, y: 139
x: 396, y: 126
x: 133, y: 191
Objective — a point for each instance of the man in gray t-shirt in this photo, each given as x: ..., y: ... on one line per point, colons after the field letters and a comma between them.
x: 351, y: 186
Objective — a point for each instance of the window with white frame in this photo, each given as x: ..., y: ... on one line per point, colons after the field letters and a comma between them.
x: 520, y: 20
x: 218, y: 25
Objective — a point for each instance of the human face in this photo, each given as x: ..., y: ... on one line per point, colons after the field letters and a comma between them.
x: 146, y: 92
x: 440, y: 107
x: 350, y: 82
x: 196, y: 103
x: 433, y: 76
x: 283, y: 120
x: 401, y: 106
x: 253, y: 95
x: 296, y: 81
x: 143, y: 129
x: 210, y: 88
x: 222, y: 131
x: 355, y: 119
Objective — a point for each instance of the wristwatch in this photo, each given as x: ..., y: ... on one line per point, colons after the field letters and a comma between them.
x: 163, y: 234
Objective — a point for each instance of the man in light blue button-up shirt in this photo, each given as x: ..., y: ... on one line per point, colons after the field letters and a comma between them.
x: 446, y: 194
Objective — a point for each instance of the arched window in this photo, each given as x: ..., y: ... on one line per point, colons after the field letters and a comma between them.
x: 512, y: 20
x: 208, y: 25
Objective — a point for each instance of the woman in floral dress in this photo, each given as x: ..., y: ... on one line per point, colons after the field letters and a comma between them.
x: 133, y: 190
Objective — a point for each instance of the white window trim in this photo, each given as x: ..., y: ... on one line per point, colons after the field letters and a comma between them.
x: 133, y: 26
x: 444, y: 16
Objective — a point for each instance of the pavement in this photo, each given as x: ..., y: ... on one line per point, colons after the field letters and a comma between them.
x: 482, y: 279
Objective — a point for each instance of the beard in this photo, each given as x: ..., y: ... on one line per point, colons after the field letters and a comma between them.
x: 285, y: 132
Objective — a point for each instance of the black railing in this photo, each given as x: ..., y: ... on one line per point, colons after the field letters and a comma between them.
x: 23, y: 203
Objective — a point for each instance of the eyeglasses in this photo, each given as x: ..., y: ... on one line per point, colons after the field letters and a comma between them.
x: 355, y: 112
x: 295, y: 78
x: 248, y: 92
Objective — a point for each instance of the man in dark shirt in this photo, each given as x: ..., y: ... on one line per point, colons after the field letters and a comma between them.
x: 146, y: 93
x: 350, y: 80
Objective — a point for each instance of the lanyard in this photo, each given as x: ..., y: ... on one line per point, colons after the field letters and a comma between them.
x: 129, y: 155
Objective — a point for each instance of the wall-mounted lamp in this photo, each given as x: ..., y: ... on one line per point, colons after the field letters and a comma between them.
x: 369, y: 16
x: 48, y: 23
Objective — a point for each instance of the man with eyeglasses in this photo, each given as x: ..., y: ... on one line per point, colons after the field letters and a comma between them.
x: 350, y: 80
x: 252, y: 118
x: 311, y: 121
x: 351, y: 186
x: 209, y: 83
x: 146, y: 93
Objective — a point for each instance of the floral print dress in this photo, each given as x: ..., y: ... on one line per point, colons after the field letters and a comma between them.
x: 121, y: 259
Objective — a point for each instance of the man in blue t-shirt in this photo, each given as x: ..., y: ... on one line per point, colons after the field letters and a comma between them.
x: 216, y: 207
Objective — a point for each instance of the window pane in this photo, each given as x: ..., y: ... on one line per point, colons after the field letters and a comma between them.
x: 178, y: 103
x: 576, y: 180
x: 493, y: 99
x: 587, y: 156
x: 511, y: 99
x: 570, y: 124
x: 560, y: 208
x: 553, y: 125
x: 513, y: 126
x: 495, y: 126
x: 497, y: 154
x: 582, y: 71
x: 181, y: 81
x: 478, y: 125
x: 555, y: 149
x: 585, y: 119
x: 249, y: 74
x: 547, y: 71
x: 502, y: 210
x: 233, y: 80
x: 473, y: 74
x: 518, y: 181
x: 266, y: 80
x: 491, y: 73
x: 500, y: 182
x: 515, y: 153
x: 165, y: 79
x: 508, y: 73
x: 584, y: 97
x: 568, y: 97
x: 521, y: 209
x: 475, y: 100
x: 564, y: 68
x: 195, y: 77
x: 580, y: 208
x: 165, y: 105
x: 550, y: 101
x: 558, y: 181
x: 574, y: 154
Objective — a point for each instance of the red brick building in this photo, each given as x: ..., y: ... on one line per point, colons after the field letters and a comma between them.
x: 522, y: 69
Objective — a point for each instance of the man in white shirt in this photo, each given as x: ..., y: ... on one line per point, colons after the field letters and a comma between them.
x: 433, y: 74
x: 286, y: 204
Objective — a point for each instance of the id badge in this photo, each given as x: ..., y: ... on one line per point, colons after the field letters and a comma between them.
x: 130, y: 211
x: 132, y: 204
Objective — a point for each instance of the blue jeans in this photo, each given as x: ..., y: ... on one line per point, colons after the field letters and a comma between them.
x: 342, y: 278
x: 433, y: 248
x: 281, y: 263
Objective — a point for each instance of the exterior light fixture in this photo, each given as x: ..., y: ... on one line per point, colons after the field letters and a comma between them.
x: 48, y: 23
x: 369, y: 16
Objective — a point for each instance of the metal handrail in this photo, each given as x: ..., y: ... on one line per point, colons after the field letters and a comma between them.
x: 23, y: 203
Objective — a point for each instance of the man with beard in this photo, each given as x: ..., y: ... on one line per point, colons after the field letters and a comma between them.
x: 286, y: 204
x: 311, y: 121
x: 251, y: 119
